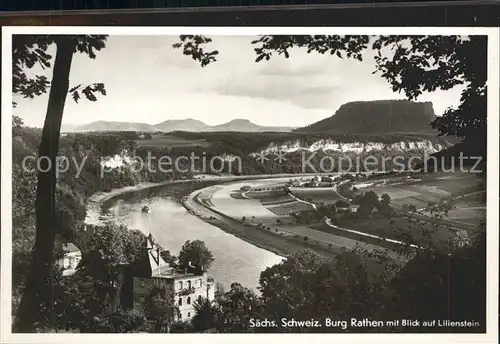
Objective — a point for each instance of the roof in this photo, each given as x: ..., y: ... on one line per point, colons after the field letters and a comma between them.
x: 70, y: 247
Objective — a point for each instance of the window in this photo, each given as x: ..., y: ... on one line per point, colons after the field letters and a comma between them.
x: 180, y: 301
x: 200, y: 282
x: 189, y: 284
x: 180, y: 285
x: 180, y: 316
x: 188, y: 301
x: 142, y: 284
x: 142, y: 299
x: 189, y: 315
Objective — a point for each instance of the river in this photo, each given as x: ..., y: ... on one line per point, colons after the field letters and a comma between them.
x: 171, y: 225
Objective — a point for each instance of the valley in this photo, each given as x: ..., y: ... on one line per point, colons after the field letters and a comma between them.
x: 271, y: 211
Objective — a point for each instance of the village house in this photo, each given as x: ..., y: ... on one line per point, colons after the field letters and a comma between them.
x: 345, y: 207
x: 354, y: 208
x: 71, y: 257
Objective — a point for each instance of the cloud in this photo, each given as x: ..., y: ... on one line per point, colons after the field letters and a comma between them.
x: 304, y: 82
x: 288, y: 88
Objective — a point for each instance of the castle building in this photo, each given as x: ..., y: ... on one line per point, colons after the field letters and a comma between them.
x: 185, y: 285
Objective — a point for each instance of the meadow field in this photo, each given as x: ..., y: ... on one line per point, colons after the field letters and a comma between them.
x: 272, y: 208
x: 432, y: 188
x: 317, y: 195
x: 401, y: 228
x: 289, y: 208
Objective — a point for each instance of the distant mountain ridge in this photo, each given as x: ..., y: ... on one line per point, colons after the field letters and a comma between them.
x: 189, y: 124
x: 114, y: 126
x: 245, y: 125
x: 379, y: 116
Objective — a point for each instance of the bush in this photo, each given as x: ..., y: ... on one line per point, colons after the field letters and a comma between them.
x: 306, y: 238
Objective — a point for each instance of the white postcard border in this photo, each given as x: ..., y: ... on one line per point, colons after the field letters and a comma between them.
x: 492, y: 195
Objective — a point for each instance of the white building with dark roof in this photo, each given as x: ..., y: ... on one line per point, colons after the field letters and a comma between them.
x: 70, y: 260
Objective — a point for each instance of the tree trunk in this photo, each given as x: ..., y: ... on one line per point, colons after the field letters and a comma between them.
x: 36, y: 298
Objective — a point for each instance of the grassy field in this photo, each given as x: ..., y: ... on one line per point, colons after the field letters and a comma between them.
x: 476, y: 199
x: 398, y: 228
x: 266, y: 196
x: 468, y: 215
x: 236, y: 195
x: 279, y: 200
x: 327, y: 196
x: 287, y: 209
x: 454, y: 185
x: 432, y: 188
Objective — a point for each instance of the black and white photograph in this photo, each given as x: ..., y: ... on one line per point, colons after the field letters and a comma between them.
x: 249, y: 180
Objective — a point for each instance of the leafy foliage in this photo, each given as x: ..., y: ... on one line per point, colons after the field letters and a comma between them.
x: 31, y: 50
x: 190, y: 45
x: 355, y: 284
x: 77, y: 305
x: 196, y: 253
x: 340, y: 46
x: 109, y: 247
x: 17, y: 124
x: 429, y: 63
x: 169, y: 258
x: 237, y: 307
x: 160, y: 307
x: 205, y: 317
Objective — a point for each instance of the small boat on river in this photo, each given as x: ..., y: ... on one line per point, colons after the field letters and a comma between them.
x: 146, y: 209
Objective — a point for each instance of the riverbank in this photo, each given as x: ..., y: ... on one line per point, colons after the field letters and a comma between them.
x: 264, y: 238
x: 101, y: 198
x: 171, y: 226
x: 261, y: 238
x: 100, y: 201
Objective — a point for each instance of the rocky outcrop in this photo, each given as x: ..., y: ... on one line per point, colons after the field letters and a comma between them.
x: 380, y: 116
x: 326, y: 145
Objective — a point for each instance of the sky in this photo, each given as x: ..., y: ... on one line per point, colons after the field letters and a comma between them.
x: 148, y: 81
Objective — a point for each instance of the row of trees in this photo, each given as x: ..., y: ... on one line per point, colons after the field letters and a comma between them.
x: 369, y: 201
x: 306, y: 286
